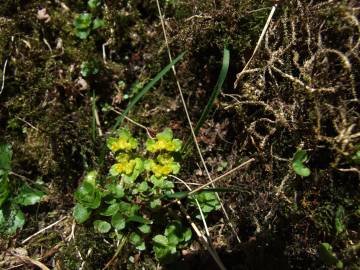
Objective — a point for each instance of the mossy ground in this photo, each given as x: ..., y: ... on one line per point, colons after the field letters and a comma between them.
x: 302, y: 92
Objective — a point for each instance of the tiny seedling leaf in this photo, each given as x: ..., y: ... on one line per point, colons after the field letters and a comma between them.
x: 298, y: 163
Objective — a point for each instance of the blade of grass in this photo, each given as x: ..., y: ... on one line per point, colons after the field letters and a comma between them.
x: 147, y: 87
x: 214, y: 95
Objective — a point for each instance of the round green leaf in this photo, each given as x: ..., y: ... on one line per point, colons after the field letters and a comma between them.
x: 161, y: 240
x: 118, y: 221
x: 29, y: 196
x: 110, y: 210
x: 81, y: 213
x: 102, y: 226
x: 145, y: 228
x: 137, y: 241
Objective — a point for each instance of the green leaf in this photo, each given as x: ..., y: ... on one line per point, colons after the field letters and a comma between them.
x: 88, y: 68
x: 98, y: 23
x: 11, y: 219
x: 18, y: 222
x: 138, y: 219
x: 29, y: 196
x: 145, y: 228
x: 111, y: 210
x: 93, y: 4
x: 117, y: 190
x: 165, y: 135
x: 82, y: 34
x: 208, y: 202
x: 176, y: 195
x: 155, y: 203
x: 297, y: 163
x: 88, y: 195
x: 143, y: 186
x: 339, y: 220
x: 176, y: 233
x: 81, y: 213
x: 102, y: 226
x: 128, y: 209
x: 118, y: 221
x: 356, y: 157
x: 4, y: 188
x: 83, y: 21
x: 187, y: 235
x: 327, y: 256
x: 5, y: 157
x: 146, y: 89
x: 90, y: 178
x: 137, y: 241
x: 161, y: 240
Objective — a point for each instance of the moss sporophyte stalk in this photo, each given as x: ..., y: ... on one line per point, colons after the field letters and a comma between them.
x: 127, y: 202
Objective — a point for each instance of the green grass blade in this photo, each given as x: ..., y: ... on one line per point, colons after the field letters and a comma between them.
x: 214, y: 94
x: 147, y: 87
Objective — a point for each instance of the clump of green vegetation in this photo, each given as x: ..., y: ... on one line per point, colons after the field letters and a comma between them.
x: 84, y: 23
x: 128, y: 201
x: 11, y: 216
x: 89, y: 68
x: 327, y: 255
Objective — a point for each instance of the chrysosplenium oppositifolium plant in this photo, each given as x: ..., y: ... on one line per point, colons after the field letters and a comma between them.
x: 129, y: 201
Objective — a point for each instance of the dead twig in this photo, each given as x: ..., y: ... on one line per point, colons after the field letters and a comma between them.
x: 239, y: 75
x: 42, y: 230
x: 136, y: 124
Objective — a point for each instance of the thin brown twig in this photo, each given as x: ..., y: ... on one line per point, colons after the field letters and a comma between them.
x: 135, y: 123
x: 221, y: 177
x: 42, y: 230
x: 239, y: 75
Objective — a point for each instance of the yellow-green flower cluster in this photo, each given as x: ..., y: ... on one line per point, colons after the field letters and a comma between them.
x: 123, y: 142
x: 124, y: 165
x: 164, y: 142
x: 163, y: 167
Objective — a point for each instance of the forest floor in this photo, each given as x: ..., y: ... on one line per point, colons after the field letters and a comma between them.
x: 288, y: 107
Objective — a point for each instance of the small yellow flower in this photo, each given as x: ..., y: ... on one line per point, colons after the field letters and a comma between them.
x: 126, y: 168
